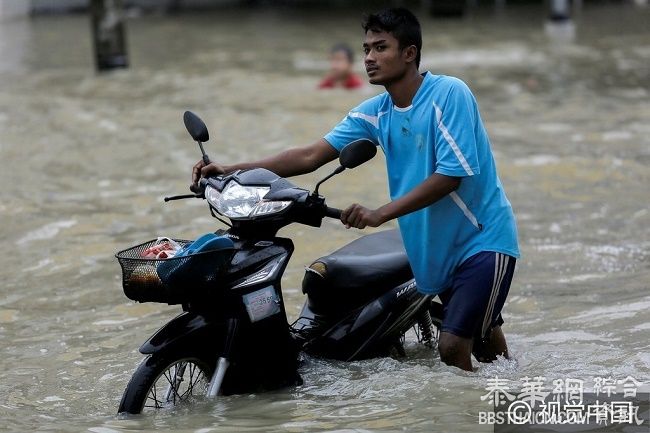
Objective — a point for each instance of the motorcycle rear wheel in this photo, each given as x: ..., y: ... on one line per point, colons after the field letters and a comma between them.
x: 162, y: 382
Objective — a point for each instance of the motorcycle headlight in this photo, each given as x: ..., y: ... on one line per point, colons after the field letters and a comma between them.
x: 239, y: 202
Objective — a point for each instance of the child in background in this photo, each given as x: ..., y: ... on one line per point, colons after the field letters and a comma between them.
x: 341, y: 72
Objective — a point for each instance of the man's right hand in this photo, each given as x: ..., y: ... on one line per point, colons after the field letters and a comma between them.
x: 200, y: 170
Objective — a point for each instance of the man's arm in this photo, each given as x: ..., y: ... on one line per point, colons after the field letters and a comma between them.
x: 428, y: 192
x: 292, y: 162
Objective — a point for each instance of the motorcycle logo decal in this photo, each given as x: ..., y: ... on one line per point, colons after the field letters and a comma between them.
x: 405, y: 289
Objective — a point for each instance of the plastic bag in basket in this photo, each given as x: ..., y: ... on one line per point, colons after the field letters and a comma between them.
x: 196, y: 267
x: 164, y: 248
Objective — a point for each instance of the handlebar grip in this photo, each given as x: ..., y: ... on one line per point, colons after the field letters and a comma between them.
x: 198, y: 189
x: 333, y: 212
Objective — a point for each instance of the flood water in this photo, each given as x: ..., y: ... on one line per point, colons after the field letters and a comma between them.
x: 86, y: 160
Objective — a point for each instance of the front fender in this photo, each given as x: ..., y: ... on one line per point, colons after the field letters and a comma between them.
x: 185, y: 330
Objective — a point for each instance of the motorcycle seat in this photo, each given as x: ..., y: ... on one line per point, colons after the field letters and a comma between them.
x: 362, y: 270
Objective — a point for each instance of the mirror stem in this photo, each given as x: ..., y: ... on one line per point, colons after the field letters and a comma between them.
x: 206, y: 159
x: 334, y: 173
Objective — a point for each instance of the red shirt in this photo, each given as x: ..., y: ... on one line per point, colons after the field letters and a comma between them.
x: 353, y: 81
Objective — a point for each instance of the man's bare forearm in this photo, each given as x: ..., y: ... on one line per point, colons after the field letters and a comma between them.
x: 428, y: 192
x: 292, y: 162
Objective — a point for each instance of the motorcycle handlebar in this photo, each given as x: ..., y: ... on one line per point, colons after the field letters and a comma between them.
x: 333, y: 212
x: 183, y: 197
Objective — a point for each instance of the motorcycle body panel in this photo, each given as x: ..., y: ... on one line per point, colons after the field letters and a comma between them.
x: 186, y: 330
x: 368, y: 331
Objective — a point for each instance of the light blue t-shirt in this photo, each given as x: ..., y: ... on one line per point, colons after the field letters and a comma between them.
x: 441, y: 132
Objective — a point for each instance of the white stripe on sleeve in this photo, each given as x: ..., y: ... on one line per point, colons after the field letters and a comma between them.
x: 451, y: 141
x: 373, y: 120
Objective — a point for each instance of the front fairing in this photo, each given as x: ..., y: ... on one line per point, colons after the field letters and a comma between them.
x: 280, y: 188
x: 301, y: 209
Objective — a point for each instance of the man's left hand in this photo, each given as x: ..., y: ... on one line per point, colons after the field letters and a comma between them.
x: 361, y: 217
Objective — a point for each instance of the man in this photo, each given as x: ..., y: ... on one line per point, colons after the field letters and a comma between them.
x: 341, y: 72
x: 456, y: 222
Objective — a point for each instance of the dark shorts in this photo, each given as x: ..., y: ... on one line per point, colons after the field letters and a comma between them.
x: 472, y: 304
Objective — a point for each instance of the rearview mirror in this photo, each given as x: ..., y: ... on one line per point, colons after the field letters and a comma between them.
x: 196, y: 127
x: 357, y: 152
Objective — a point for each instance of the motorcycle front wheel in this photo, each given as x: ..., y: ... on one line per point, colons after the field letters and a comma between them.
x: 162, y: 382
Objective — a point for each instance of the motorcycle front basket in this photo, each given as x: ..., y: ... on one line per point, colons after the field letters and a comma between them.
x: 176, y: 280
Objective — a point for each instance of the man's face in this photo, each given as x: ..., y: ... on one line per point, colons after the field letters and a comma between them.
x: 340, y: 65
x: 384, y: 61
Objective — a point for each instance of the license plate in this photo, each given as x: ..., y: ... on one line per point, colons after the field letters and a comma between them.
x: 262, y: 303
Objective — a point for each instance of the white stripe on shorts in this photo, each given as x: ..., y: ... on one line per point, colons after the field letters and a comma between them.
x: 500, y: 268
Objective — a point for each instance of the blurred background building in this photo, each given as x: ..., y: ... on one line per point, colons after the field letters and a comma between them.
x: 22, y: 7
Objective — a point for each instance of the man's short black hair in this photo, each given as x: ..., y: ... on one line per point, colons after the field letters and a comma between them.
x: 343, y: 48
x: 401, y: 23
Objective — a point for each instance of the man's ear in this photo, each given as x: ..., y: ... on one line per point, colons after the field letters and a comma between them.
x: 410, y: 53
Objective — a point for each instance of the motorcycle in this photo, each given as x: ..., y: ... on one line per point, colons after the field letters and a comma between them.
x: 233, y: 335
